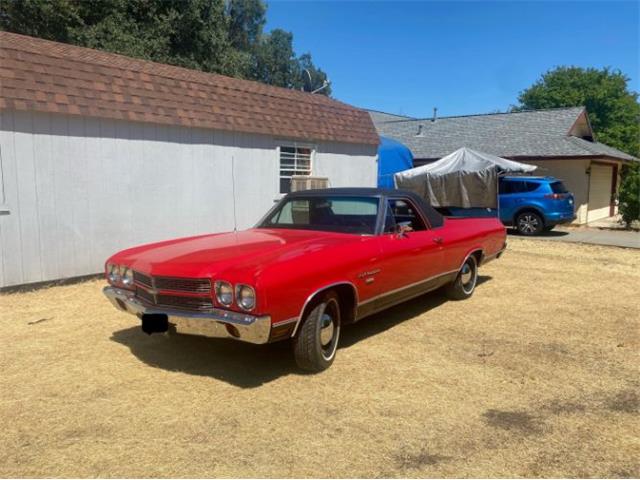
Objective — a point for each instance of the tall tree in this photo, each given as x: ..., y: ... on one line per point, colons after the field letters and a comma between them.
x: 613, y: 108
x: 275, y: 59
x: 220, y: 36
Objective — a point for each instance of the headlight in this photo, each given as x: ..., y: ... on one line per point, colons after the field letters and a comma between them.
x: 245, y: 297
x: 224, y: 293
x: 113, y: 273
x: 127, y: 276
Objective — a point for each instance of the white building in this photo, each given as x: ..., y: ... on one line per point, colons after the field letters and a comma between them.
x: 99, y: 152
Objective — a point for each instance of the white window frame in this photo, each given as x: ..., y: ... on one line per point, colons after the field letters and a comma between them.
x: 296, y: 169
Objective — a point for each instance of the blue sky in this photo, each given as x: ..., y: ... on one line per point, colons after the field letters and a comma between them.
x: 462, y: 57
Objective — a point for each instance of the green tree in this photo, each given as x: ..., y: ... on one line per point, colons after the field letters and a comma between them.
x: 613, y: 108
x: 309, y: 77
x: 219, y: 36
x: 629, y: 195
x: 275, y: 59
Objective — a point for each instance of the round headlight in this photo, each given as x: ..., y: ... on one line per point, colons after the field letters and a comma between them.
x: 245, y: 297
x: 113, y: 272
x: 127, y: 276
x: 224, y: 293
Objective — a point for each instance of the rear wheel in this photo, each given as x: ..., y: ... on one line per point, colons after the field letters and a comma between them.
x: 317, y: 341
x: 529, y: 223
x: 465, y: 283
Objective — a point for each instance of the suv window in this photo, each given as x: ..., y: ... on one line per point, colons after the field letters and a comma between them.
x: 558, y: 187
x: 400, y: 210
x: 517, y: 186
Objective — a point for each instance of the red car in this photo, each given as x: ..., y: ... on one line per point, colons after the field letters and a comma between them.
x: 319, y: 259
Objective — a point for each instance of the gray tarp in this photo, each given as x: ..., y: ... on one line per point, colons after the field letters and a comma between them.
x: 464, y: 178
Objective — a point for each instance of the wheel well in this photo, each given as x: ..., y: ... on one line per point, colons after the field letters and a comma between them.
x: 478, y: 255
x: 528, y: 209
x: 347, y: 300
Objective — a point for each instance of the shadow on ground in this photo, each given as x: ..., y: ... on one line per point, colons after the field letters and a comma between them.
x: 551, y: 233
x: 249, y: 366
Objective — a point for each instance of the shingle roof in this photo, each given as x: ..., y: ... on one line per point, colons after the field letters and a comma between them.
x: 377, y: 116
x: 46, y: 76
x: 535, y: 133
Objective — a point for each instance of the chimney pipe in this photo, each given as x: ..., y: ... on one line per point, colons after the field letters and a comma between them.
x: 435, y: 114
x: 420, y: 132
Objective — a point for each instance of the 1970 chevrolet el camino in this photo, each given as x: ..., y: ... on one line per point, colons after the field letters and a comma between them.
x: 319, y: 259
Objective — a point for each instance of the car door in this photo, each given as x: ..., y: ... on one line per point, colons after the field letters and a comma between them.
x: 509, y: 198
x: 410, y: 260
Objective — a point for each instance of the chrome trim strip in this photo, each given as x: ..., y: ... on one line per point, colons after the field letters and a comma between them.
x: 310, y: 297
x: 391, y: 292
x: 284, y: 322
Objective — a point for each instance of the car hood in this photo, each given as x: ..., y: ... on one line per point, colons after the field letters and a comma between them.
x: 246, y: 251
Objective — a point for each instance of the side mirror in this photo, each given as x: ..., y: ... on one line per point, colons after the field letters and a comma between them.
x: 402, y: 229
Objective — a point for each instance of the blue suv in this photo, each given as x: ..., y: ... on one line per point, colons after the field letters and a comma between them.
x: 534, y: 204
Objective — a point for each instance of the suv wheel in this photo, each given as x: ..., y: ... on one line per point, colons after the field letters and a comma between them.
x: 529, y: 223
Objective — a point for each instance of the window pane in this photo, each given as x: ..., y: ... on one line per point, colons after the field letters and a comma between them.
x: 404, y: 211
x: 558, y: 187
x: 340, y: 214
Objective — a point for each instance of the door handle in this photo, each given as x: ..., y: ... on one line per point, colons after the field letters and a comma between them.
x: 438, y: 240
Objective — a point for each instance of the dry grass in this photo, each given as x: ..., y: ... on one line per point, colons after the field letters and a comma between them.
x: 537, y: 375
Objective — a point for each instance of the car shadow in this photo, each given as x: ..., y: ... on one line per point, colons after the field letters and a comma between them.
x: 552, y: 233
x: 389, y: 318
x: 249, y: 366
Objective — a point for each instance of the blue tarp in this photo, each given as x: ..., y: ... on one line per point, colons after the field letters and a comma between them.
x: 393, y: 157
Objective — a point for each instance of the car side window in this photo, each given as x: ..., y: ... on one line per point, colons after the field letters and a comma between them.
x: 516, y: 186
x: 400, y: 210
x: 504, y: 186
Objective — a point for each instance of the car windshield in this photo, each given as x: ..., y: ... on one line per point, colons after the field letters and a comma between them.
x: 558, y: 187
x: 343, y: 214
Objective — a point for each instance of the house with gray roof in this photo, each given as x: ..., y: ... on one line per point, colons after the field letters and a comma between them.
x: 559, y: 141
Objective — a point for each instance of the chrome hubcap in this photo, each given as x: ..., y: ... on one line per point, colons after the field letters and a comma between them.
x: 468, y: 276
x: 329, y: 329
x: 528, y: 223
x: 326, y: 329
x: 466, y: 273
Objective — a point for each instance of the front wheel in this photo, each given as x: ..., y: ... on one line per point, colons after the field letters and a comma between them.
x: 317, y: 341
x: 465, y: 283
x: 529, y: 223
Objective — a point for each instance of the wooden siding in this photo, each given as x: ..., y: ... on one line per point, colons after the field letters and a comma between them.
x: 79, y: 189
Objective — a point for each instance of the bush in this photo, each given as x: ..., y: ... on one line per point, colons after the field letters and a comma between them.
x: 629, y: 194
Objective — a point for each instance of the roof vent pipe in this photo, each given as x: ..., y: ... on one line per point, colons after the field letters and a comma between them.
x: 420, y: 130
x: 435, y: 114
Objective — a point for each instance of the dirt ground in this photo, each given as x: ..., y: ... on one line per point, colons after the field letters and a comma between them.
x: 537, y: 375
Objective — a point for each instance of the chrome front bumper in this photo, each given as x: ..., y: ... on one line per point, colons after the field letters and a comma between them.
x: 218, y: 323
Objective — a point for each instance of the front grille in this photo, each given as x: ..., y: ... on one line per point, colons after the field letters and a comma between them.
x: 176, y: 284
x: 197, y: 304
x: 192, y: 285
x: 192, y: 304
x: 142, y: 279
x: 142, y: 294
